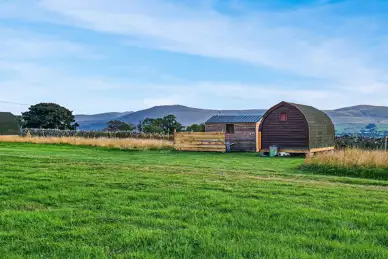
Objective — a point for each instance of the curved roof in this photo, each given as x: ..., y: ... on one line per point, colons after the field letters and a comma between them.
x: 234, y: 119
x: 312, y: 115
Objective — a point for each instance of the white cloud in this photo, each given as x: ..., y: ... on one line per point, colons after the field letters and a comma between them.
x: 266, y: 39
x: 347, y: 60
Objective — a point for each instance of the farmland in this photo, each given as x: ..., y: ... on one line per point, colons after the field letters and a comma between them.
x: 62, y: 201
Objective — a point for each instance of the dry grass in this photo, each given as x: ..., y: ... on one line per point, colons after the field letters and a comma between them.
x: 129, y: 143
x: 351, y: 158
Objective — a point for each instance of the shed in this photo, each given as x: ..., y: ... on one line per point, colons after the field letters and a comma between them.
x: 240, y: 131
x: 297, y: 128
x: 9, y: 124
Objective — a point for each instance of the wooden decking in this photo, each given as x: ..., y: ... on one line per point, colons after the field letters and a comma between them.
x: 301, y: 151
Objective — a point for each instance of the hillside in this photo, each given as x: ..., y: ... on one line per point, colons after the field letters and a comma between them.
x: 360, y: 114
x: 87, y: 121
x: 101, y: 116
x: 186, y: 115
x: 347, y: 118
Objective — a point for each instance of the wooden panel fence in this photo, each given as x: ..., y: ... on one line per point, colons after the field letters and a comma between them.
x: 200, y: 141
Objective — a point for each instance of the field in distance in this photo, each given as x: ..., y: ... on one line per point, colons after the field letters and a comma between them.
x: 62, y: 201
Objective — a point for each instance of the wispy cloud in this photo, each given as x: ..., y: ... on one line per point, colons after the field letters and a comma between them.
x: 262, y: 38
x: 338, y: 57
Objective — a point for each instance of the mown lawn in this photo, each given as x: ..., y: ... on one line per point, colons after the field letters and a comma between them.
x: 83, y: 202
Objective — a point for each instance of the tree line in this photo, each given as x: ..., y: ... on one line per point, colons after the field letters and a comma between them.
x: 54, y: 116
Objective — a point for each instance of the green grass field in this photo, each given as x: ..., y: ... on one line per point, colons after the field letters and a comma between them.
x: 85, y: 202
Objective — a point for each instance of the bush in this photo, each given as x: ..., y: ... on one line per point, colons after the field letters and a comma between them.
x: 359, y: 142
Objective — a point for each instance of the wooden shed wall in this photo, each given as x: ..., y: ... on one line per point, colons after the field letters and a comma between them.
x: 244, y: 136
x: 290, y: 134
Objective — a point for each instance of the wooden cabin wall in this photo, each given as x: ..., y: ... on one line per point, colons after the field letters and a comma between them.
x: 292, y: 134
x: 244, y: 136
x: 322, y: 134
x: 216, y: 127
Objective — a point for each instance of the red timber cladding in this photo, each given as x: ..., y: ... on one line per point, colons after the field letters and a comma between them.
x: 292, y: 133
x: 243, y: 138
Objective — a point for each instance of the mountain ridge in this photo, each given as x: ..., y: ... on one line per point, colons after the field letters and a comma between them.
x: 358, y: 114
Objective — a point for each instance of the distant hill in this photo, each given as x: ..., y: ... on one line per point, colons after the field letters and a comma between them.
x: 99, y: 120
x: 185, y: 115
x: 344, y: 118
x: 360, y: 114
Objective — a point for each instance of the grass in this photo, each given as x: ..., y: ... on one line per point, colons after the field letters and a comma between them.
x: 122, y: 143
x: 62, y: 201
x: 351, y: 162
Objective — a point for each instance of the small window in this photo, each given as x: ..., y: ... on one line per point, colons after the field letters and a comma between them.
x: 283, y: 116
x: 229, y: 128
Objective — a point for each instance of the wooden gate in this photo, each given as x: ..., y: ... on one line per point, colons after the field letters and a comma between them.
x: 200, y: 141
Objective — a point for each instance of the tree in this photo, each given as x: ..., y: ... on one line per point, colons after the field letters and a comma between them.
x: 117, y: 125
x: 170, y: 123
x: 196, y: 128
x: 20, y: 120
x: 149, y: 125
x: 49, y: 116
x: 160, y: 125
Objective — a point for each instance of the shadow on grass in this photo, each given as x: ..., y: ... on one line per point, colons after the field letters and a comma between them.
x: 356, y: 172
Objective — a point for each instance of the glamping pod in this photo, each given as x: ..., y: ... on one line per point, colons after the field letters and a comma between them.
x: 296, y: 128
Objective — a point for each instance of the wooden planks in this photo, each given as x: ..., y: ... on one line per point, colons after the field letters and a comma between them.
x: 200, y: 141
x: 291, y: 151
x: 289, y: 134
x: 314, y: 150
x: 301, y: 151
x: 258, y: 141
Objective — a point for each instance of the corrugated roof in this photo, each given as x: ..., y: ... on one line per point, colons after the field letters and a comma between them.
x: 234, y: 119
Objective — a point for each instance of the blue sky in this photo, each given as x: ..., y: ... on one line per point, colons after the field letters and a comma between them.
x: 98, y: 56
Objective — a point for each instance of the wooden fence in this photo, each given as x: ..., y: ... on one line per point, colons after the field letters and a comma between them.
x: 200, y: 141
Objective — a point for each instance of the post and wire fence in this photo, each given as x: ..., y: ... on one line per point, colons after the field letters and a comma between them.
x: 93, y: 134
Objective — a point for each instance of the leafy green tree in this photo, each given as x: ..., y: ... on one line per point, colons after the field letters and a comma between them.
x: 49, y: 116
x: 160, y: 125
x: 150, y: 125
x: 117, y: 125
x: 196, y: 128
x: 20, y: 120
x: 170, y: 123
